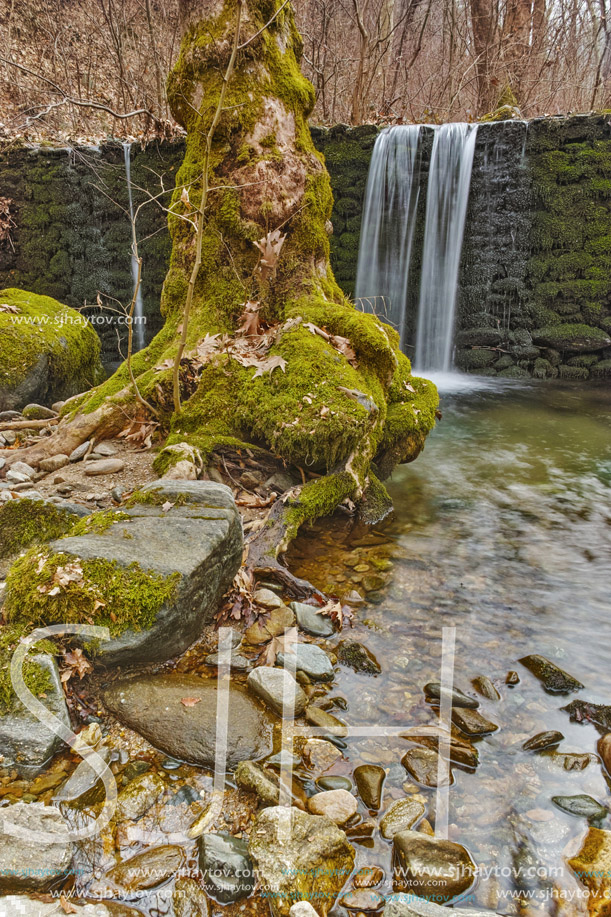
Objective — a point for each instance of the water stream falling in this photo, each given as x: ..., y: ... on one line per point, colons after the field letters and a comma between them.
x: 138, y: 337
x: 446, y: 209
x: 385, y: 274
x: 389, y: 221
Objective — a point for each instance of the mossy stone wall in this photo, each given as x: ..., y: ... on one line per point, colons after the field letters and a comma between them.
x: 537, y: 250
x: 70, y: 233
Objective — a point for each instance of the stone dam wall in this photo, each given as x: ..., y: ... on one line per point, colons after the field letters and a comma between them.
x: 535, y: 277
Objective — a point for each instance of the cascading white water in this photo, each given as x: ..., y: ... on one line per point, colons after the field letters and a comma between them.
x: 446, y: 209
x: 389, y: 220
x: 138, y: 336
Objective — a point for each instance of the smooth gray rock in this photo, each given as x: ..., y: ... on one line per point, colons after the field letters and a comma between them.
x: 274, y: 685
x: 405, y: 904
x: 309, y: 620
x: 38, y: 412
x: 153, y: 706
x: 459, y: 699
x: 35, y: 846
x: 77, y: 454
x: 200, y: 538
x: 308, y: 658
x: 226, y: 867
x: 23, y: 468
x: 54, y: 462
x: 25, y: 742
x: 104, y: 466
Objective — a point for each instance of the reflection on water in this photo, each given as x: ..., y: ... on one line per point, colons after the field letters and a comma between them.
x: 503, y: 529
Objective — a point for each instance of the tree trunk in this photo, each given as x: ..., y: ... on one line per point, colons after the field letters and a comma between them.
x: 256, y: 369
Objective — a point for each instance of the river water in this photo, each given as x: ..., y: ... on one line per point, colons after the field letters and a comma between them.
x: 501, y: 530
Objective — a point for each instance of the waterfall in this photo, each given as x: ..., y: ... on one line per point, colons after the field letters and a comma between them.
x: 138, y: 336
x: 389, y: 220
x: 446, y: 209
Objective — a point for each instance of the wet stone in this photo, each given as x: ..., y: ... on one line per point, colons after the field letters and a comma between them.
x: 308, y: 658
x: 356, y: 656
x: 583, y: 806
x: 543, y: 740
x: 337, y: 805
x: 311, y: 622
x: 35, y: 846
x: 139, y: 795
x: 370, y: 782
x: 554, y: 679
x: 604, y: 750
x: 401, y: 816
x: 368, y: 877
x: 254, y: 778
x: 274, y: 686
x: 318, y: 717
x: 188, y: 899
x: 82, y: 780
x: 472, y: 722
x: 583, y: 711
x: 570, y: 761
x: 433, y: 692
x: 363, y: 900
x: 334, y: 782
x: 320, y: 755
x: 272, y: 624
x: 422, y: 764
x: 226, y: 867
x: 430, y: 867
x: 486, y: 688
x: 512, y: 678
x: 149, y: 869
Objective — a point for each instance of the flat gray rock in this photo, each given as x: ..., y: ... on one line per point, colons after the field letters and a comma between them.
x: 274, y: 686
x: 25, y: 742
x: 35, y: 846
x: 200, y: 538
x: 308, y: 658
x: 313, y: 623
x: 177, y: 714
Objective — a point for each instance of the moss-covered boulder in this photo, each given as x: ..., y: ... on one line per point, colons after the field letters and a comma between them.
x: 153, y: 575
x: 48, y: 351
x: 572, y: 338
x: 24, y: 522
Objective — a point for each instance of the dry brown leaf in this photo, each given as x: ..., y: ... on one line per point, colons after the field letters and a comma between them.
x: 270, y: 364
x: 7, y: 307
x: 66, y: 906
x: 344, y: 347
x: 251, y: 321
x: 75, y: 664
x: 270, y: 246
x: 190, y: 701
x: 314, y: 329
x: 254, y: 501
x: 184, y: 196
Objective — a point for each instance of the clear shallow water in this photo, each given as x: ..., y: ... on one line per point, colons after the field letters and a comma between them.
x: 502, y: 528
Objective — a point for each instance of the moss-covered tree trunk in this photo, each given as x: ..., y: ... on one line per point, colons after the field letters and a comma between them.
x: 341, y: 403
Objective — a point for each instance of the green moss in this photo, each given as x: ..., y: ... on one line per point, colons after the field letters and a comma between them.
x: 36, y: 678
x: 106, y: 593
x: 574, y: 337
x: 24, y: 522
x: 43, y: 326
x: 97, y: 523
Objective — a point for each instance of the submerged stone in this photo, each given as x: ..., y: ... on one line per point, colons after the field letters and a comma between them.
x: 401, y: 815
x: 277, y: 687
x: 592, y: 867
x: 308, y: 658
x: 422, y: 764
x: 226, y: 867
x: 338, y: 805
x: 472, y: 722
x: 254, y: 778
x: 153, y: 706
x: 543, y: 740
x: 583, y: 711
x: 324, y: 720
x: 582, y: 806
x: 148, y: 869
x: 358, y: 657
x: 369, y: 782
x: 434, y: 691
x: 554, y: 679
x: 430, y: 867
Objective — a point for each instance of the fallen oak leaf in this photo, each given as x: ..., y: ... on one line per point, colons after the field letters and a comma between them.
x: 66, y: 906
x: 190, y: 701
x: 269, y: 365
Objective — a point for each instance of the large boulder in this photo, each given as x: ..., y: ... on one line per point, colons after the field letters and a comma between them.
x: 35, y: 846
x: 153, y: 574
x: 177, y: 714
x: 431, y: 868
x: 25, y: 743
x: 299, y: 857
x: 48, y: 351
